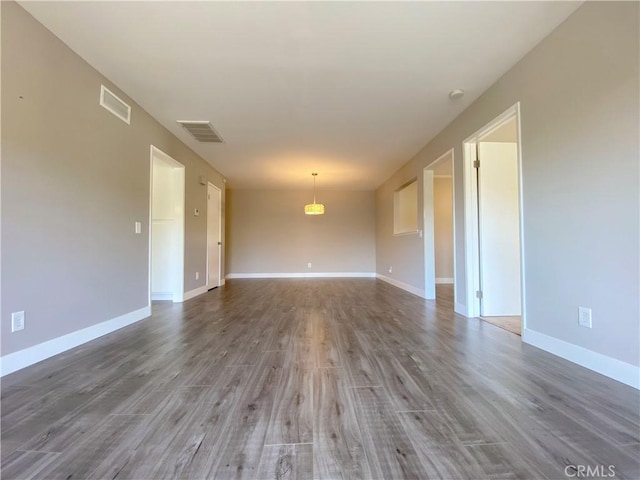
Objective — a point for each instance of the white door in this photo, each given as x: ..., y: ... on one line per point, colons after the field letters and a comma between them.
x: 499, y: 223
x: 214, y: 240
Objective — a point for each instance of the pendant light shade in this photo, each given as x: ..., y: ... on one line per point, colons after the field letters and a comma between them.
x: 314, y: 208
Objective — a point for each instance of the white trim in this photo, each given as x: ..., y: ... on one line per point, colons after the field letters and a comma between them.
x: 444, y: 281
x: 471, y: 231
x: 472, y: 280
x: 429, y: 237
x: 150, y: 224
x: 438, y: 160
x: 456, y: 279
x: 222, y: 281
x: 28, y: 356
x: 610, y: 367
x: 303, y: 275
x: 523, y: 297
x: 429, y: 243
x: 402, y: 285
x: 461, y: 310
x: 162, y: 296
x: 194, y: 293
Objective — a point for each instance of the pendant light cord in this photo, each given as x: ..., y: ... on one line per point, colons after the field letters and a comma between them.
x: 314, y: 186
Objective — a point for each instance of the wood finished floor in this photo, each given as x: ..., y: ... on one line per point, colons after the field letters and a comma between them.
x: 313, y: 378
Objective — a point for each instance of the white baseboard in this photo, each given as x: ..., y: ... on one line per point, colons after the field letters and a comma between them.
x: 610, y: 367
x: 303, y: 275
x: 194, y: 293
x: 162, y: 296
x: 402, y: 285
x: 222, y: 282
x: 444, y: 281
x: 28, y: 356
x: 461, y: 309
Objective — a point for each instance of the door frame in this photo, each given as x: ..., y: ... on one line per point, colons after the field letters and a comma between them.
x: 178, y: 274
x: 472, y: 259
x: 220, y: 280
x: 429, y: 233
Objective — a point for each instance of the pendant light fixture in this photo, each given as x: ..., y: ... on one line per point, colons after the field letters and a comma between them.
x: 314, y: 208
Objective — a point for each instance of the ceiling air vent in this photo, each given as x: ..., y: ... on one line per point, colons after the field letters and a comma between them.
x: 115, y: 105
x: 201, y: 130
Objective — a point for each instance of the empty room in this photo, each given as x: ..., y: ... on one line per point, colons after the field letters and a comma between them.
x: 320, y: 240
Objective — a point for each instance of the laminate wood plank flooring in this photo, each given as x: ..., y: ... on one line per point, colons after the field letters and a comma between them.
x: 291, y: 418
x: 313, y: 379
x: 337, y: 439
x: 286, y: 462
x: 387, y: 444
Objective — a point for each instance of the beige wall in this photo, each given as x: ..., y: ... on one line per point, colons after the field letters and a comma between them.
x: 578, y: 91
x: 74, y: 180
x: 268, y: 232
x: 443, y: 226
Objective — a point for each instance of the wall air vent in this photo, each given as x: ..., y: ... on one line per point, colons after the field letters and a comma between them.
x: 202, y: 131
x: 115, y: 105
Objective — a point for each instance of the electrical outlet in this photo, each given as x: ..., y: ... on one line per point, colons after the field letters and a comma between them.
x: 197, y: 275
x: 390, y: 269
x: 196, y: 212
x: 584, y: 317
x: 17, y: 321
x: 309, y: 265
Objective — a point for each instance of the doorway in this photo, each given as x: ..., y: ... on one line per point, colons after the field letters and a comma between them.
x: 166, y: 225
x: 214, y: 235
x: 438, y: 198
x: 493, y: 221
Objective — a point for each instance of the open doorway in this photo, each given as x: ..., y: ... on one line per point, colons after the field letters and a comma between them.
x: 439, y: 240
x: 166, y: 235
x: 493, y: 223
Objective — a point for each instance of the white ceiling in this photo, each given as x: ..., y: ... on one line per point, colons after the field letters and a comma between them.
x: 351, y: 90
